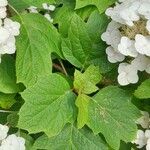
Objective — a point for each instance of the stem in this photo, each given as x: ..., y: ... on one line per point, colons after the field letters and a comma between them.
x: 57, y: 67
x: 5, y: 111
x: 62, y: 65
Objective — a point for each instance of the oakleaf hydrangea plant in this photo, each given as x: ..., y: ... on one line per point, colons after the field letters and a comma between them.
x: 74, y: 74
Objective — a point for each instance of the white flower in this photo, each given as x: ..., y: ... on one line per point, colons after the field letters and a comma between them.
x: 148, y: 25
x: 33, y: 9
x: 4, y: 35
x: 144, y: 121
x: 126, y: 47
x: 8, y: 30
x: 114, y: 56
x: 9, y: 46
x: 3, y: 3
x: 12, y: 26
x: 142, y: 44
x: 145, y: 9
x: 148, y: 68
x: 112, y: 35
x: 148, y: 145
x: 130, y: 14
x: 1, y: 22
x: 128, y: 33
x: 12, y: 142
x: 3, y: 131
x: 127, y: 74
x: 48, y: 17
x: 141, y: 62
x: 114, y: 14
x: 3, y: 13
x: 140, y: 140
x: 48, y: 7
x: 147, y: 134
x: 124, y: 13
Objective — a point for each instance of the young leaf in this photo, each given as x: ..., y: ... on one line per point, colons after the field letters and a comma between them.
x: 48, y: 106
x: 8, y: 75
x: 38, y: 38
x: 86, y: 82
x: 143, y: 91
x: 111, y: 112
x: 82, y: 103
x: 100, y: 4
x: 71, y: 138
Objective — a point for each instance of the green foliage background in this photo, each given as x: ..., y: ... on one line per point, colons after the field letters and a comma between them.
x: 60, y: 87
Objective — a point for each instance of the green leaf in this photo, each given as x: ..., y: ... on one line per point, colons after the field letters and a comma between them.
x: 143, y: 91
x: 8, y: 75
x: 111, y: 112
x: 82, y: 49
x: 29, y: 140
x: 63, y: 16
x: 49, y: 105
x: 6, y: 100
x: 85, y: 82
x: 37, y: 40
x: 71, y: 138
x: 100, y: 4
x: 76, y: 48
x: 85, y: 12
x: 22, y: 4
x: 12, y: 119
x: 82, y: 103
x: 96, y: 25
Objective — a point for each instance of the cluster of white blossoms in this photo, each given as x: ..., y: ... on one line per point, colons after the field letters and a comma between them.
x: 47, y: 7
x: 143, y: 137
x: 10, y: 142
x: 128, y: 35
x: 8, y: 30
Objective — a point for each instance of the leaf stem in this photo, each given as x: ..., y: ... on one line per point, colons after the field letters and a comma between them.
x: 5, y: 111
x: 59, y: 68
x: 62, y: 65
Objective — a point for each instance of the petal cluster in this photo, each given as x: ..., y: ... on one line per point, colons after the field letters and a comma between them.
x: 47, y: 8
x: 10, y: 142
x: 8, y: 30
x: 128, y: 37
x: 143, y: 136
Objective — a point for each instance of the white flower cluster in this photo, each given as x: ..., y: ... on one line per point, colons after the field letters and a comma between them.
x: 8, y: 30
x: 128, y: 35
x: 48, y: 8
x: 10, y: 142
x: 143, y: 137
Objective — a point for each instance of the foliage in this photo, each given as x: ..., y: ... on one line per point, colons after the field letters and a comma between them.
x: 61, y: 84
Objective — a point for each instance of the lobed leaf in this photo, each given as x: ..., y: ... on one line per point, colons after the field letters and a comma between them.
x: 100, y: 4
x: 71, y: 138
x: 37, y: 40
x: 22, y: 4
x: 49, y: 105
x: 86, y: 82
x: 111, y: 112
